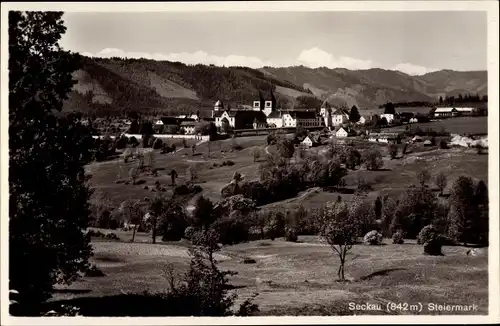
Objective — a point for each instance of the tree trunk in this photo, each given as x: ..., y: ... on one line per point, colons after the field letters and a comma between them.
x: 133, y: 234
x: 153, y: 233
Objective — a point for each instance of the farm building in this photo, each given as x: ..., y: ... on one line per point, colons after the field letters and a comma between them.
x: 310, y: 141
x: 188, y: 127
x: 340, y: 116
x: 384, y: 138
x: 362, y: 121
x: 344, y: 132
x: 388, y: 116
x: 452, y: 112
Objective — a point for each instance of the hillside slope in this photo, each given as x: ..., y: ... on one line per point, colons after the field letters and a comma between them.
x: 118, y: 86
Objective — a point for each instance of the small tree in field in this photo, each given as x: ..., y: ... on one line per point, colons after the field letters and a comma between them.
x: 441, y: 182
x: 192, y: 173
x: 339, y: 226
x: 156, y: 210
x: 256, y: 153
x: 393, y: 151
x: 372, y: 159
x: 173, y: 176
x: 423, y: 177
x: 133, y: 174
x: 131, y: 209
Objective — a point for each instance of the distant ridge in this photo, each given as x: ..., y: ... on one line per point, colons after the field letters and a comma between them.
x: 120, y: 85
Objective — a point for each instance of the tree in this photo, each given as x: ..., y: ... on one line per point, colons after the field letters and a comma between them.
x: 48, y: 193
x: 192, y: 173
x: 133, y: 174
x: 440, y: 100
x: 372, y: 159
x: 256, y: 153
x: 353, y: 159
x: 393, y: 151
x: 225, y: 126
x: 157, y: 209
x: 173, y: 176
x: 378, y: 208
x: 423, y: 177
x: 466, y: 219
x: 340, y: 229
x: 132, y: 211
x: 204, y: 213
x: 354, y: 115
x: 285, y: 148
x: 389, y: 108
x: 441, y: 182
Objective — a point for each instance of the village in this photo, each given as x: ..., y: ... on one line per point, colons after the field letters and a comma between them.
x: 264, y: 116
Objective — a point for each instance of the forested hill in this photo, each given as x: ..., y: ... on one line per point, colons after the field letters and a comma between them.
x: 118, y: 86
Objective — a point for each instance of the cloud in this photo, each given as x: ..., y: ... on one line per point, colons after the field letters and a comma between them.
x: 187, y: 58
x: 412, y: 69
x: 313, y: 58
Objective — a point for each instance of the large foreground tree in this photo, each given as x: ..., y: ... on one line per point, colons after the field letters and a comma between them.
x: 49, y: 207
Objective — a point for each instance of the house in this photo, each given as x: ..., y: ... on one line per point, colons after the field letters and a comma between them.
x: 384, y: 137
x: 275, y: 119
x: 304, y: 118
x: 228, y: 115
x: 188, y: 127
x: 265, y: 104
x: 344, y: 132
x: 413, y: 120
x: 362, y: 121
x: 445, y: 112
x: 388, y: 116
x: 310, y: 141
x: 159, y: 122
x: 339, y: 117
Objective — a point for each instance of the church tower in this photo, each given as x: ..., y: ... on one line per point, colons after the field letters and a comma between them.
x: 218, y: 106
x: 269, y: 104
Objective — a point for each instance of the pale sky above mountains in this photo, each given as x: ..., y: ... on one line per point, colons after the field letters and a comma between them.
x: 412, y: 42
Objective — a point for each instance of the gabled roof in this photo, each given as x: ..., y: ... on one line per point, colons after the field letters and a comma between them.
x: 341, y: 112
x: 301, y: 114
x: 274, y: 115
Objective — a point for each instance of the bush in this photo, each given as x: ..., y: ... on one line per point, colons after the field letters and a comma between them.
x: 231, y: 230
x: 431, y: 239
x: 372, y: 159
x: 397, y: 238
x: 373, y: 238
x: 158, y: 143
x: 227, y: 163
x: 93, y: 271
x: 443, y: 144
x: 121, y: 142
x: 291, y: 235
x: 189, y: 232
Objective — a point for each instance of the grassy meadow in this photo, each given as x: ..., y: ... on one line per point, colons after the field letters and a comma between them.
x: 295, y: 278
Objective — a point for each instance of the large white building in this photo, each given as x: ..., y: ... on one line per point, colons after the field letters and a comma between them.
x: 452, y: 112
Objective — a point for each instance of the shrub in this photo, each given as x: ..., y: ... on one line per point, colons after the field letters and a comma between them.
x: 112, y: 236
x: 121, y: 142
x: 291, y: 235
x: 372, y: 159
x: 431, y: 239
x: 231, y: 229
x: 249, y: 261
x: 158, y: 143
x: 397, y: 238
x: 189, y: 232
x: 93, y: 271
x: 373, y: 238
x: 227, y: 163
x: 443, y: 144
x: 393, y: 151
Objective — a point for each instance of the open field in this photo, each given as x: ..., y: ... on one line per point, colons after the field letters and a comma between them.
x: 460, y: 125
x: 299, y: 278
x: 397, y: 174
x: 296, y: 278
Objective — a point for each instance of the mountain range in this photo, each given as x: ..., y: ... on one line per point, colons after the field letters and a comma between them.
x: 119, y: 85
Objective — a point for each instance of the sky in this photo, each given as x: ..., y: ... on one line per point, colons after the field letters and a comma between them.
x: 412, y: 42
